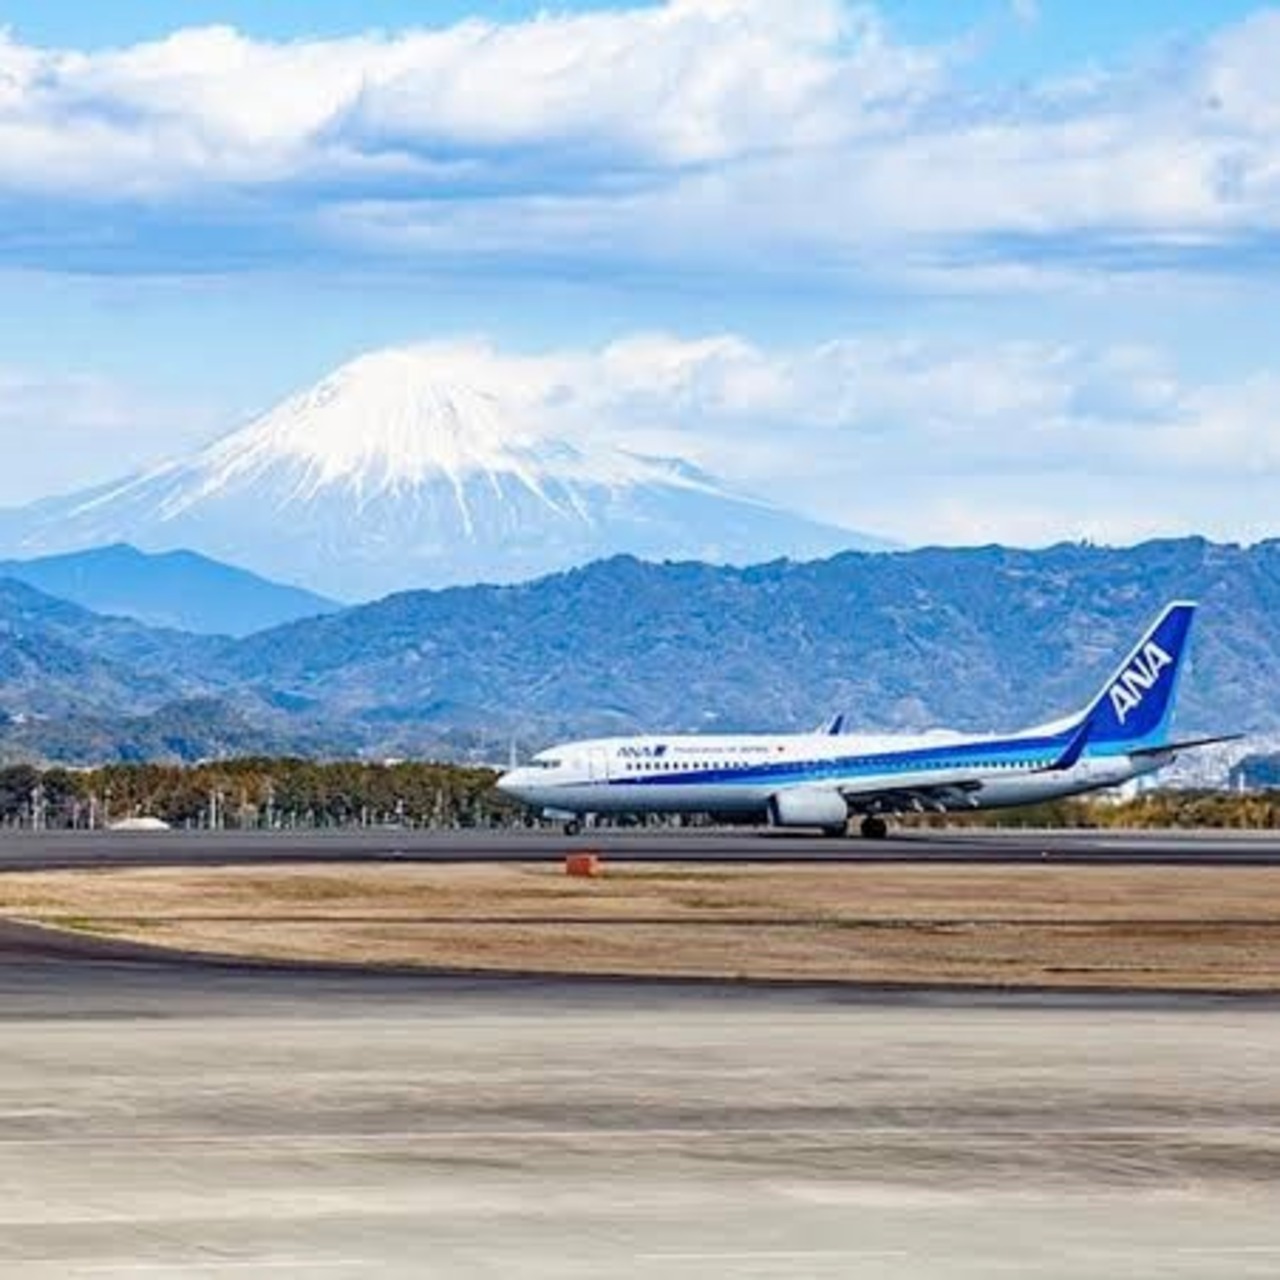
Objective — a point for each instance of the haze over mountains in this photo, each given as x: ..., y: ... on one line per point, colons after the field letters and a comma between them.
x: 981, y: 638
x: 174, y: 589
x: 397, y: 472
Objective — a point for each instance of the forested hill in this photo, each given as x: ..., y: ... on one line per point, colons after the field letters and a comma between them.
x: 982, y: 638
x: 972, y: 638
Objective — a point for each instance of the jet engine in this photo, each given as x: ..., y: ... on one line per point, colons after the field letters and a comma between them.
x: 810, y: 807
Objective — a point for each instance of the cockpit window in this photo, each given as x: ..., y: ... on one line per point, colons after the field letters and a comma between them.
x: 544, y: 763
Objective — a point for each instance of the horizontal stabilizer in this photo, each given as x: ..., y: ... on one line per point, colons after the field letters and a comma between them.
x: 1187, y: 744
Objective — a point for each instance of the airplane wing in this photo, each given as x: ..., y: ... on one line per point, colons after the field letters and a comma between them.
x: 959, y: 790
x: 932, y: 797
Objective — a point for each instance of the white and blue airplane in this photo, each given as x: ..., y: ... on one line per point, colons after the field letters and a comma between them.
x: 823, y: 779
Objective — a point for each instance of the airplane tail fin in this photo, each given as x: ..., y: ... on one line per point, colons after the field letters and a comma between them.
x: 1135, y: 706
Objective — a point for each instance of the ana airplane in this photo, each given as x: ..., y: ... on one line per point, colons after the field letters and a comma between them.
x: 823, y: 779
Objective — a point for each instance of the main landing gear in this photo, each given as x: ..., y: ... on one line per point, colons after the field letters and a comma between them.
x: 874, y: 828
x: 573, y: 827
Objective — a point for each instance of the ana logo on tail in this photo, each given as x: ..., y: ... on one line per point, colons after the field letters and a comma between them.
x: 1140, y: 675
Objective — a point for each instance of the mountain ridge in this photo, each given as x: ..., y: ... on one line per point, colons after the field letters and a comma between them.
x: 975, y: 639
x: 396, y: 472
x: 174, y: 590
x: 910, y: 640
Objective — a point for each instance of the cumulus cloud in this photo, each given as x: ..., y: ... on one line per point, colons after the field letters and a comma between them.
x: 685, y: 83
x: 704, y: 130
x: 922, y: 440
x: 919, y: 439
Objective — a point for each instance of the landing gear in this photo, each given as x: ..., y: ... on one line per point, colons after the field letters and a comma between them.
x: 573, y: 827
x: 874, y: 828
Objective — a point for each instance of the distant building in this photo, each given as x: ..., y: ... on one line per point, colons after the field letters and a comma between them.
x: 139, y: 824
x: 1256, y: 773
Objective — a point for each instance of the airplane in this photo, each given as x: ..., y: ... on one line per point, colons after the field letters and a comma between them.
x: 826, y: 778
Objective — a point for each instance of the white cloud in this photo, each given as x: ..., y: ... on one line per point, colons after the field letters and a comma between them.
x: 688, y: 82
x: 1027, y: 12
x: 922, y: 440
x: 703, y: 130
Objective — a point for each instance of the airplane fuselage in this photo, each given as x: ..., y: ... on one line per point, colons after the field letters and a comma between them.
x: 741, y: 775
x: 822, y: 779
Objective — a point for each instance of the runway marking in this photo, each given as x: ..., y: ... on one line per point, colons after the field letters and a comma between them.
x: 1210, y: 1251
x: 818, y: 1255
x: 1257, y: 1135
x: 192, y: 1267
x: 780, y: 1255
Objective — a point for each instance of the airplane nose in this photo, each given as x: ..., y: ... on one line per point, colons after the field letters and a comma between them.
x: 509, y: 783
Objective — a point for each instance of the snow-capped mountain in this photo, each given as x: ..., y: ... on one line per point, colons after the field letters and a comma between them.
x: 391, y: 474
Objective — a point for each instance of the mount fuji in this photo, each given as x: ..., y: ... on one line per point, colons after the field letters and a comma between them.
x: 394, y: 473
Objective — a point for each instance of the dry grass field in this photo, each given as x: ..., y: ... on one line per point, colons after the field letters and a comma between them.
x: 1154, y: 928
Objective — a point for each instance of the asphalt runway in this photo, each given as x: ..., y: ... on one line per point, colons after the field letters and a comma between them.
x: 182, y: 1119
x: 25, y: 851
x: 171, y: 1116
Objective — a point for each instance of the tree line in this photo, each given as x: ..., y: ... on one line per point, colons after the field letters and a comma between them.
x: 259, y: 793
x: 1153, y: 810
x: 254, y: 794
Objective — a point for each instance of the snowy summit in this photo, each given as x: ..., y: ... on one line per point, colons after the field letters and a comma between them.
x: 392, y: 422
x: 394, y: 473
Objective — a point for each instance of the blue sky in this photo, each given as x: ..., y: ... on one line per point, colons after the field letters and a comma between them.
x: 1035, y: 243
x: 1044, y: 34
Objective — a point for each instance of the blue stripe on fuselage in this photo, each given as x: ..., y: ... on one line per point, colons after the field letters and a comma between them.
x: 1038, y: 752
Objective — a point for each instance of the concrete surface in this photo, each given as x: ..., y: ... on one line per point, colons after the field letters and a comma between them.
x: 188, y: 1120
x: 21, y: 851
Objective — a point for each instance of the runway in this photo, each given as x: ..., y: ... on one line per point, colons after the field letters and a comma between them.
x: 196, y: 1120
x: 168, y: 1116
x: 26, y: 851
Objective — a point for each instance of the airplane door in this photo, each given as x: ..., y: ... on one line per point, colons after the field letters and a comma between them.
x: 598, y: 764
